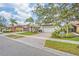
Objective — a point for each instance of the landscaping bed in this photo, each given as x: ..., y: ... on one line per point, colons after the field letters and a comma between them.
x: 7, y: 31
x: 14, y: 36
x: 28, y: 33
x: 69, y: 36
x: 66, y: 47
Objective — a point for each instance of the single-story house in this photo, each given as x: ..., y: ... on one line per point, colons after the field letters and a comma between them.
x: 51, y: 28
x: 48, y: 28
x: 17, y: 28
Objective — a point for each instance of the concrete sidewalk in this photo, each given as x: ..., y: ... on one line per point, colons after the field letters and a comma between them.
x: 46, y: 36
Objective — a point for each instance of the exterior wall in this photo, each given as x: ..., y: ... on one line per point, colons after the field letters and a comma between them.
x: 77, y: 29
x: 19, y: 29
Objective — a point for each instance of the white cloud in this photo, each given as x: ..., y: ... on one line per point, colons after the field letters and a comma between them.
x: 5, y: 14
x: 23, y: 14
x: 23, y: 7
x: 17, y: 17
x: 23, y: 10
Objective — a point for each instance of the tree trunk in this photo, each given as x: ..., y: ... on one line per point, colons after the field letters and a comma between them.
x: 67, y: 30
x: 31, y: 29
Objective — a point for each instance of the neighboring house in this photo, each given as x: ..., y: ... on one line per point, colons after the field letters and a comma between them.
x: 76, y: 26
x: 18, y: 28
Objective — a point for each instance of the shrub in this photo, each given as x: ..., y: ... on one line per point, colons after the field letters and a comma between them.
x: 69, y: 35
x: 7, y: 31
x: 58, y: 34
x: 55, y: 34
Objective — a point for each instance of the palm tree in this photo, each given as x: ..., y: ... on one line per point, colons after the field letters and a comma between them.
x: 13, y: 22
x: 30, y: 19
x: 65, y: 16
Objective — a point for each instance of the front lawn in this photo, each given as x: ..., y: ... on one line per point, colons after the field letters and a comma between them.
x: 28, y: 33
x: 74, y: 38
x: 66, y: 47
x: 14, y: 36
x: 0, y: 32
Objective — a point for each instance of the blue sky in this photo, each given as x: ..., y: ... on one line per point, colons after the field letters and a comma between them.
x: 8, y: 8
x: 19, y: 11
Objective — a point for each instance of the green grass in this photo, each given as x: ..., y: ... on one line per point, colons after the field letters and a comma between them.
x: 28, y: 33
x: 66, y: 47
x: 14, y: 36
x: 0, y: 32
x: 7, y: 31
x: 74, y: 38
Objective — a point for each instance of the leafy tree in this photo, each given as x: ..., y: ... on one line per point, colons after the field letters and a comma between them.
x: 75, y: 10
x: 46, y: 13
x: 30, y: 19
x: 58, y: 14
x: 55, y: 14
x: 65, y: 17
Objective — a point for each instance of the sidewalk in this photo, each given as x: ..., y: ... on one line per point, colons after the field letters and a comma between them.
x: 43, y: 38
x: 53, y: 39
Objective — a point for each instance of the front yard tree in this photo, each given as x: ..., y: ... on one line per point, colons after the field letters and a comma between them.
x: 66, y: 16
x: 55, y: 14
x: 13, y: 22
x: 46, y: 12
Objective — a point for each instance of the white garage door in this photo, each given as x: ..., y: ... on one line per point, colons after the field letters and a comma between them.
x: 48, y: 29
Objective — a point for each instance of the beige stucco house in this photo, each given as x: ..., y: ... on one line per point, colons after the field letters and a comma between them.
x: 76, y: 26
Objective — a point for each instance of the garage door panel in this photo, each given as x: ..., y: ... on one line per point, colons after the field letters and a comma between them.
x: 48, y: 29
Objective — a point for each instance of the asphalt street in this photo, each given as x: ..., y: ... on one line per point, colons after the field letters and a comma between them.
x: 9, y: 47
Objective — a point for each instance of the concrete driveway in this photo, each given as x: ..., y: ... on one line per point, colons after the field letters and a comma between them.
x: 46, y: 35
x: 37, y: 40
x: 34, y: 41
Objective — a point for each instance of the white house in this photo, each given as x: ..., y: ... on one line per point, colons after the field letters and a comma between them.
x: 48, y: 28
